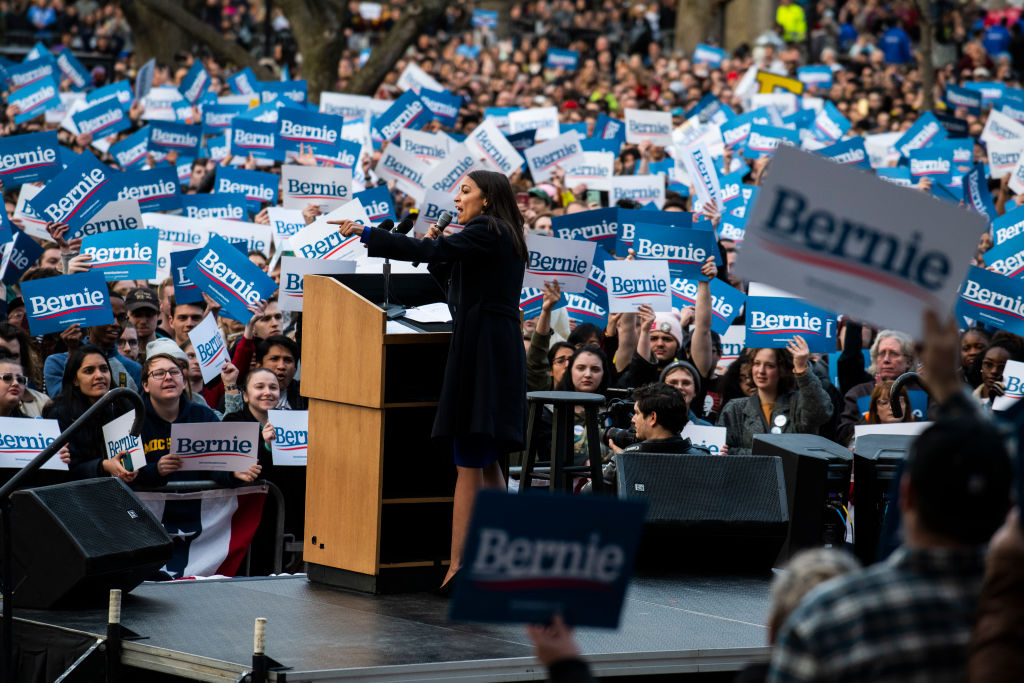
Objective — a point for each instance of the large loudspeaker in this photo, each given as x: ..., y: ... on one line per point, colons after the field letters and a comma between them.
x: 707, y: 512
x: 817, y: 475
x: 877, y: 462
x: 73, y: 542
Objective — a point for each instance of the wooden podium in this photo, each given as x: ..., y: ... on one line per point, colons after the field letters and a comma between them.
x: 378, y: 494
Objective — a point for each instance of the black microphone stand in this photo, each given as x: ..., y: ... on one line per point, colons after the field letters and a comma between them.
x: 391, y: 311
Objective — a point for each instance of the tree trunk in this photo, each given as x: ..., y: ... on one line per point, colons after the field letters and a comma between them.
x: 504, y: 9
x: 695, y: 22
x: 173, y: 18
x: 745, y: 20
x: 417, y: 17
x: 925, y: 8
x: 319, y: 35
x: 154, y: 36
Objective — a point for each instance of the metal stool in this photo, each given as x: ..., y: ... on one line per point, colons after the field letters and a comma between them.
x: 561, y: 469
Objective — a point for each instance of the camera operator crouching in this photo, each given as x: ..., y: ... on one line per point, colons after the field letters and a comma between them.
x: 660, y: 413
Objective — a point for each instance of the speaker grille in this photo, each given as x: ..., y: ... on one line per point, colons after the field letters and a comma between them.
x: 97, y: 536
x: 103, y: 519
x: 700, y: 488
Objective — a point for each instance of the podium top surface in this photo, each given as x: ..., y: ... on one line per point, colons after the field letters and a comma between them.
x: 407, y: 289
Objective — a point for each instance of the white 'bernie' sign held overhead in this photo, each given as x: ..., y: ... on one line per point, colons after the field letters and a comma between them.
x: 847, y: 241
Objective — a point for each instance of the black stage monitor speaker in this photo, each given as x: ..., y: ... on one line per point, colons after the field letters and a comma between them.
x: 73, y: 542
x: 707, y: 512
x: 817, y: 475
x: 877, y: 462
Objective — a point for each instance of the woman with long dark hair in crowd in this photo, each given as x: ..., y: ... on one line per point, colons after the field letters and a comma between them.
x: 880, y: 407
x: 482, y: 409
x: 86, y: 380
x: 789, y: 398
x: 588, y: 371
x: 17, y: 342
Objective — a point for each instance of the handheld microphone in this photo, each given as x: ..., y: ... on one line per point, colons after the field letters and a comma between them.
x: 387, y: 225
x: 442, y: 222
x: 405, y: 226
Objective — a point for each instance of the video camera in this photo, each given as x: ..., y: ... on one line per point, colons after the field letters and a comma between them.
x: 617, y: 418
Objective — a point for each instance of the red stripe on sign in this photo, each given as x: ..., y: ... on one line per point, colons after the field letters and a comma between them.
x: 859, y: 271
x: 633, y: 296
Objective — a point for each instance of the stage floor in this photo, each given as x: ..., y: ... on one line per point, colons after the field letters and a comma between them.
x: 203, y: 629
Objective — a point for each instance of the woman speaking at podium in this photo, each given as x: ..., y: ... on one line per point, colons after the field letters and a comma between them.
x: 483, y: 399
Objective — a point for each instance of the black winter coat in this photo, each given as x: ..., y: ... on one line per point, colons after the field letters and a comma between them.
x: 484, y: 389
x: 87, y: 447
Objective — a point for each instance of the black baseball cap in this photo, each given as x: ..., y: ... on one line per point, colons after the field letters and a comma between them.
x: 142, y: 297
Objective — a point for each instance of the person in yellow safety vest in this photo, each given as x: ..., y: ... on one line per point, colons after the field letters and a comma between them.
x: 791, y: 17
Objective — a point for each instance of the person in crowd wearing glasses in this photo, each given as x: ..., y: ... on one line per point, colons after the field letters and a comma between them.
x: 86, y: 379
x: 892, y: 354
x: 124, y: 372
x: 880, y: 409
x: 194, y: 388
x: 13, y: 384
x: 15, y: 341
x: 128, y: 343
x: 546, y: 362
x: 163, y: 386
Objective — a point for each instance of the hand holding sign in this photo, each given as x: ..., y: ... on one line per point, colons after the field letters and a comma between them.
x: 713, y: 213
x: 552, y: 295
x: 72, y: 336
x: 645, y: 316
x: 79, y: 263
x: 250, y: 475
x: 229, y: 376
x: 553, y: 642
x: 114, y: 468
x: 305, y: 157
x: 57, y: 232
x: 310, y: 213
x: 798, y: 347
x: 709, y: 269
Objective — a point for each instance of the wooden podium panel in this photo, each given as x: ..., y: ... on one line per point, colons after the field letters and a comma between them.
x: 378, y: 494
x: 350, y: 538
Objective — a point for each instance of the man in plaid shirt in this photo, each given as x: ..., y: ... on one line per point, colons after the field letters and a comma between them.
x: 909, y: 618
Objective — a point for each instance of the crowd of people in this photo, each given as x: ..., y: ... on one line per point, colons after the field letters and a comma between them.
x: 672, y: 362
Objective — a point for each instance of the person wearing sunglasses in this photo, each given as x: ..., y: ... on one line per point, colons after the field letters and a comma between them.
x: 16, y: 343
x: 13, y: 384
x: 86, y: 379
x: 128, y: 343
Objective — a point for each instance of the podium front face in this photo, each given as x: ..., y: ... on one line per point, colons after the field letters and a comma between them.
x: 378, y: 494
